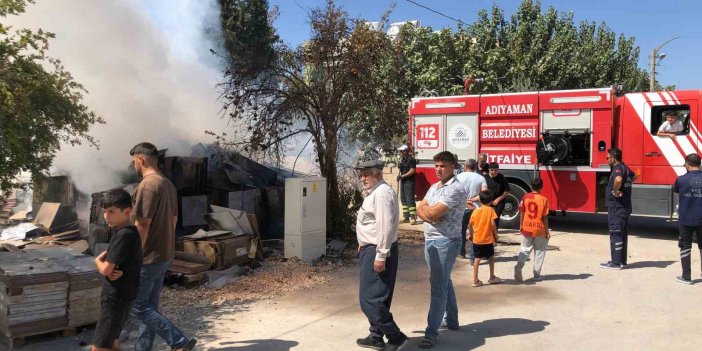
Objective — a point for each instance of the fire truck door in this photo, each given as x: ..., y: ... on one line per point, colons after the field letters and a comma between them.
x: 461, y: 135
x: 664, y: 156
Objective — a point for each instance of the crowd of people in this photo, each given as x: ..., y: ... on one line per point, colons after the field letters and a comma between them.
x: 461, y: 215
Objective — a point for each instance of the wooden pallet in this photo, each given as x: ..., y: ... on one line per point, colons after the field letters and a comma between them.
x: 17, y: 341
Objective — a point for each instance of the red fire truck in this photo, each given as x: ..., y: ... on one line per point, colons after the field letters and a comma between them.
x: 562, y: 137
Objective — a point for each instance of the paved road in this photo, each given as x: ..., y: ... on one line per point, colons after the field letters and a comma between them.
x: 577, y: 307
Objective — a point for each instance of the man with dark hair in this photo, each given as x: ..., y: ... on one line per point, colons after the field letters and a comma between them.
x: 442, y: 210
x: 499, y: 188
x: 156, y: 214
x: 671, y: 127
x: 618, y: 202
x: 376, y: 231
x: 407, y: 168
x: 689, y: 187
x: 118, y: 290
x: 473, y: 183
x: 483, y: 166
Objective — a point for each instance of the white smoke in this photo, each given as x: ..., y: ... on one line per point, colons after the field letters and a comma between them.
x: 148, y: 70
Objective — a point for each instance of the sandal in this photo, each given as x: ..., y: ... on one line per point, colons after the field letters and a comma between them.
x: 427, y: 342
x: 479, y: 283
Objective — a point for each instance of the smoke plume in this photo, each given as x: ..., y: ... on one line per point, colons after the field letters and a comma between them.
x: 147, y: 67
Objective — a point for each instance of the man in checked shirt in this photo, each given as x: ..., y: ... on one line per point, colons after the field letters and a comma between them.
x: 376, y: 230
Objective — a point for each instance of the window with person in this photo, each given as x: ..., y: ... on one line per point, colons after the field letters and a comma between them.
x: 670, y: 121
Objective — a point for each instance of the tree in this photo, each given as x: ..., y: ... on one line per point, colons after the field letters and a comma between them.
x: 532, y: 50
x: 40, y: 103
x: 334, y: 87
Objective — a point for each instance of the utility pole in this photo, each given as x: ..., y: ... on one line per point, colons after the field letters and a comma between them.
x: 654, y: 56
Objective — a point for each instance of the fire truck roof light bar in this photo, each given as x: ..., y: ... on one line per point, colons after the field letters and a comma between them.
x: 574, y: 99
x: 446, y: 105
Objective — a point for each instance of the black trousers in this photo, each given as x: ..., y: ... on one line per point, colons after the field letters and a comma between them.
x: 375, y: 293
x: 685, y: 245
x: 618, y: 221
x: 498, y: 210
x: 409, y: 207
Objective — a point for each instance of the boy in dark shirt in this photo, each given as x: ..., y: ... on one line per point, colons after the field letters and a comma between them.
x: 120, y: 265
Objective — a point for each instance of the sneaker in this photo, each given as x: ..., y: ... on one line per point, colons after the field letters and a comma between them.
x: 472, y: 262
x: 538, y: 278
x: 397, y: 344
x: 518, y: 273
x: 684, y: 281
x: 190, y: 345
x: 371, y: 343
x: 624, y: 265
x: 610, y: 265
x: 406, y: 220
x: 463, y: 256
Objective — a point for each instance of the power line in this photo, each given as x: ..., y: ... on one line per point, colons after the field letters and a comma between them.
x: 436, y: 12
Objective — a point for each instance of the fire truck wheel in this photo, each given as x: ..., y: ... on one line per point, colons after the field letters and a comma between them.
x: 510, y: 216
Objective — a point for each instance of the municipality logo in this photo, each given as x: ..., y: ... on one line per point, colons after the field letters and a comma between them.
x: 460, y: 136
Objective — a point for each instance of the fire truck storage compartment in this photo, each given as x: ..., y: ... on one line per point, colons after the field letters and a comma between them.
x: 566, y: 137
x: 570, y: 190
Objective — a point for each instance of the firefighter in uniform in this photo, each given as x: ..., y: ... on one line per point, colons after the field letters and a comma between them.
x: 689, y: 187
x: 618, y: 202
x: 408, y: 166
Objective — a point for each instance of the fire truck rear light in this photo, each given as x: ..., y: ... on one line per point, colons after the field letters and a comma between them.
x: 570, y: 100
x: 446, y: 105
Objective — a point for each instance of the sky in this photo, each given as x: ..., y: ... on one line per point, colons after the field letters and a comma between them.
x: 651, y: 22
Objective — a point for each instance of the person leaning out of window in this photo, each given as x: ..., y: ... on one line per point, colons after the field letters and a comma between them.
x: 671, y: 127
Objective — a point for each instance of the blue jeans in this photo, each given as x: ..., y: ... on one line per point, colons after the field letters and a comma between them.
x: 440, y: 255
x: 145, y: 309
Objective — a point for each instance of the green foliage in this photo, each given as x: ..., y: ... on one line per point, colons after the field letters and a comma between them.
x: 248, y: 36
x: 532, y: 50
x: 40, y: 103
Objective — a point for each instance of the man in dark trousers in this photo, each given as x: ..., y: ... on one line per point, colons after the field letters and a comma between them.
x: 689, y: 186
x: 618, y: 202
x: 408, y: 166
x: 376, y: 230
x: 499, y: 188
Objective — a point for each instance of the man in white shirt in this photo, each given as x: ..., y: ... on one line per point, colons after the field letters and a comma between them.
x: 473, y: 184
x: 376, y: 231
x: 671, y: 127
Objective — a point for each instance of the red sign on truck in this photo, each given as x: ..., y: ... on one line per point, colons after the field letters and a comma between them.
x: 428, y: 136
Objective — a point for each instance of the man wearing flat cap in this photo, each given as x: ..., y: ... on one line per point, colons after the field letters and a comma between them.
x: 376, y: 230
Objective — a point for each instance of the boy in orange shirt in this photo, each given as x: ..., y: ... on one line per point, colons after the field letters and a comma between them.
x: 483, y: 233
x: 533, y: 213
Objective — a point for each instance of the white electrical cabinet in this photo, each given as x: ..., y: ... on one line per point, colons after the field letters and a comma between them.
x: 305, y: 217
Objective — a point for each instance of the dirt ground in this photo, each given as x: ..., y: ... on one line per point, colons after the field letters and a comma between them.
x: 577, y: 307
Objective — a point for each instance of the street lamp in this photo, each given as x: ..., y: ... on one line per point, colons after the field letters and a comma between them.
x: 655, y: 55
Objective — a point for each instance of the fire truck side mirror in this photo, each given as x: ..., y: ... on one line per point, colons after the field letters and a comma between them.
x: 601, y: 145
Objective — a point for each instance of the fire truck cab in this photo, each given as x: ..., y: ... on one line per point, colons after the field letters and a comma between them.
x: 562, y: 137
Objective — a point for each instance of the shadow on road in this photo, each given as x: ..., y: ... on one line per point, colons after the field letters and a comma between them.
x: 258, y: 345
x: 567, y: 276
x: 472, y: 336
x: 649, y: 264
x: 644, y: 227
